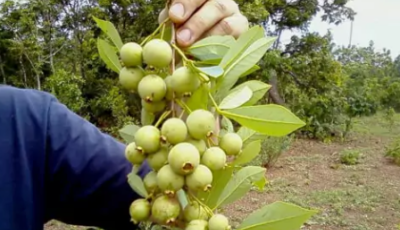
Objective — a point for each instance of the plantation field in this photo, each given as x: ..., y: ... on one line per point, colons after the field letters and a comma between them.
x: 365, y: 196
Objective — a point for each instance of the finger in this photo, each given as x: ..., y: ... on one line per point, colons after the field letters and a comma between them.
x: 204, y: 19
x: 162, y: 16
x: 234, y: 25
x: 181, y: 10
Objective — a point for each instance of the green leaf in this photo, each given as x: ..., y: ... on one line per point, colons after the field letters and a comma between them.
x: 137, y: 184
x: 258, y: 88
x: 220, y: 180
x: 272, y: 120
x: 227, y: 124
x: 109, y: 55
x: 209, y: 62
x: 250, y: 71
x: 240, y: 184
x: 199, y: 99
x: 241, y: 44
x: 236, y: 98
x: 249, y: 135
x: 246, y: 61
x: 212, y: 71
x: 277, y: 216
x: 109, y: 29
x: 212, y: 47
x: 249, y: 152
x: 128, y: 133
x: 147, y: 118
x: 182, y: 198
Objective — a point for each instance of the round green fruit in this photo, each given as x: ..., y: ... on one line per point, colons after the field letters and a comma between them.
x: 194, y: 211
x: 214, y: 158
x: 165, y: 210
x: 197, y: 225
x: 157, y: 53
x: 139, y: 210
x: 158, y: 159
x: 134, y: 154
x: 150, y: 182
x: 218, y: 222
x: 155, y: 106
x: 168, y: 181
x: 148, y: 138
x: 200, y: 180
x: 184, y: 158
x: 184, y: 80
x: 174, y: 130
x: 131, y: 54
x: 152, y: 88
x: 201, y: 124
x: 199, y: 144
x: 231, y: 143
x: 129, y: 77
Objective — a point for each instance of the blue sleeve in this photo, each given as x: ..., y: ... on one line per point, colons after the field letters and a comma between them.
x: 83, y: 171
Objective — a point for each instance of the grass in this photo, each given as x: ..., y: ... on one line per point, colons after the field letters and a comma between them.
x: 360, y: 196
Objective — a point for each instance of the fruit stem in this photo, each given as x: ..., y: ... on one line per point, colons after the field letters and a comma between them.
x: 214, y: 103
x: 162, y: 117
x: 154, y: 32
x: 185, y: 59
x: 208, y: 209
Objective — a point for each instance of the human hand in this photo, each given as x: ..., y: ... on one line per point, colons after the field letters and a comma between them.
x: 196, y: 19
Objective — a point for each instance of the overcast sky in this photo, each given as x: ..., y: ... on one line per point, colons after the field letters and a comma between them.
x: 377, y: 20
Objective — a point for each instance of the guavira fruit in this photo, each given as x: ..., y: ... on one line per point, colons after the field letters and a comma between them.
x: 218, y: 222
x: 200, y: 123
x: 183, y: 158
x: 148, y: 138
x: 197, y: 225
x: 184, y: 80
x: 231, y: 143
x: 214, y: 158
x: 152, y: 88
x: 157, y: 53
x: 131, y: 54
x: 158, y: 159
x: 200, y: 180
x: 155, y: 106
x: 150, y: 182
x: 199, y: 144
x: 165, y: 210
x: 129, y: 77
x: 139, y: 210
x: 169, y: 181
x: 134, y: 154
x: 174, y: 130
x: 194, y: 211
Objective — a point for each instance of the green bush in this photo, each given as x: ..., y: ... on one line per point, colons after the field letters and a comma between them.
x: 393, y: 151
x: 272, y: 150
x: 350, y: 157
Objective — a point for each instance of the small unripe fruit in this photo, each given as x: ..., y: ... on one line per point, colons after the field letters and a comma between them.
x: 131, y: 54
x: 184, y: 158
x: 201, y: 124
x: 134, y: 154
x: 200, y: 180
x: 197, y: 225
x: 231, y: 143
x: 150, y: 182
x: 168, y: 181
x: 194, y: 211
x: 165, y: 210
x: 157, y: 53
x: 139, y: 210
x: 174, y: 130
x: 152, y: 88
x: 148, y: 138
x: 155, y: 106
x: 184, y: 80
x: 218, y: 222
x: 214, y: 158
x: 158, y: 159
x: 129, y: 78
x: 199, y: 144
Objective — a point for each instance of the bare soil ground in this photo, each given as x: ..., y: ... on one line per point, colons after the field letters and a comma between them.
x: 365, y: 196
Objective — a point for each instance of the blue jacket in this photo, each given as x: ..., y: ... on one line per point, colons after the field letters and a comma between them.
x: 56, y: 165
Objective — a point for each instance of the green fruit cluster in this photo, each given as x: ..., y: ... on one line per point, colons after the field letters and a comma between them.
x: 182, y: 156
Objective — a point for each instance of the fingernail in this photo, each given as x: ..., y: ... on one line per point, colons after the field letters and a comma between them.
x: 177, y: 10
x: 185, y: 35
